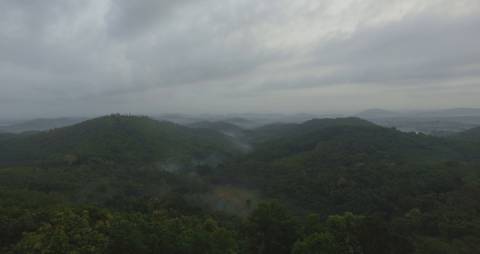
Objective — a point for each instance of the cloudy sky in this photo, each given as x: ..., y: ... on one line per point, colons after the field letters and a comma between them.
x: 90, y: 57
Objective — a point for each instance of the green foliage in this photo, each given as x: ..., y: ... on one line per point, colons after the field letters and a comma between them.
x: 69, y: 230
x: 66, y: 232
x: 348, y: 233
x: 316, y: 243
x: 271, y: 229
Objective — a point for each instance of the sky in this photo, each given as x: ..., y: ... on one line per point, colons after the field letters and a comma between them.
x: 93, y: 57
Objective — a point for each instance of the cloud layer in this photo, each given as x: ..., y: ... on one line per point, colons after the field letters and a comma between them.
x: 98, y: 56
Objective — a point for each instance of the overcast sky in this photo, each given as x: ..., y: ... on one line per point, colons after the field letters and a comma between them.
x: 90, y: 57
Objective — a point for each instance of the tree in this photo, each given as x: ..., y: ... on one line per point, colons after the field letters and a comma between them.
x: 316, y: 243
x: 68, y: 232
x: 271, y: 230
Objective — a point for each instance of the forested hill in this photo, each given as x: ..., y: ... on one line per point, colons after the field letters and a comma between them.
x: 345, y: 165
x: 346, y: 137
x: 116, y: 138
x: 282, y: 130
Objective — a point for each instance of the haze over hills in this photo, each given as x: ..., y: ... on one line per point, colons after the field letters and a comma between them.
x: 226, y: 128
x: 377, y: 113
x: 446, y: 113
x: 41, y: 124
x: 245, y: 120
x: 440, y: 122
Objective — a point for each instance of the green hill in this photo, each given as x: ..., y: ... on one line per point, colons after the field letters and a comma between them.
x: 278, y: 130
x: 343, y: 165
x: 116, y: 138
x: 351, y: 136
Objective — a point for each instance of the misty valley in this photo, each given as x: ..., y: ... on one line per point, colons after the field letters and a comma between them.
x: 283, y: 184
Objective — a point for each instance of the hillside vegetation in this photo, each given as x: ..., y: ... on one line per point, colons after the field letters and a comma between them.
x: 116, y: 138
x: 323, y: 186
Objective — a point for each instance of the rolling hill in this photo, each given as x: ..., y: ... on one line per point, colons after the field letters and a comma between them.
x: 117, y: 138
x: 377, y: 113
x: 289, y: 130
x: 345, y: 164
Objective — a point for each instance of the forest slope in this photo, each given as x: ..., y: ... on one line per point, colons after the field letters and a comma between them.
x: 116, y: 138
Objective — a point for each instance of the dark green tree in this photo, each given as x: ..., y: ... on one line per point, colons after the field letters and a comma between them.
x: 271, y: 229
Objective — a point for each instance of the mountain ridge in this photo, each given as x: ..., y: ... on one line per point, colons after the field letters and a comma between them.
x: 117, y: 138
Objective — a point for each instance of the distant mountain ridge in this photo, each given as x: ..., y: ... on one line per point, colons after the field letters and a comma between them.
x: 216, y: 125
x: 439, y: 123
x: 453, y: 112
x: 377, y: 113
x: 40, y: 124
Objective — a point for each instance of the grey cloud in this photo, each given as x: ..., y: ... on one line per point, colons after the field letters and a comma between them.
x: 26, y: 16
x: 119, y: 53
x: 127, y: 19
x: 196, y: 50
x: 424, y: 48
x: 415, y: 51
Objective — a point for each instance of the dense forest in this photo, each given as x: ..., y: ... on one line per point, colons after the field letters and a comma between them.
x: 130, y: 184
